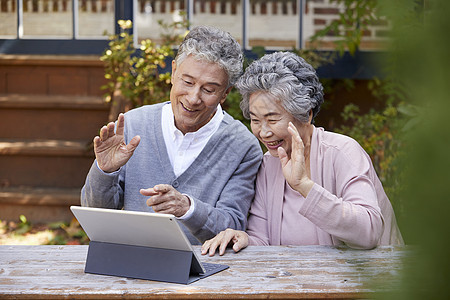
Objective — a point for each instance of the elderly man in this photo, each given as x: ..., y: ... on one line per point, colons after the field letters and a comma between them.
x: 185, y: 157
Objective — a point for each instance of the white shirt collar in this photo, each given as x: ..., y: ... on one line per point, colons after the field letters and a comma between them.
x: 204, y: 132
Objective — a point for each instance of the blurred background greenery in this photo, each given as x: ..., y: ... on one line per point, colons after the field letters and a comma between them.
x: 421, y: 48
x: 404, y: 131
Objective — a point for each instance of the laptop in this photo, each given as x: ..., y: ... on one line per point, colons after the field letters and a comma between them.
x: 141, y: 231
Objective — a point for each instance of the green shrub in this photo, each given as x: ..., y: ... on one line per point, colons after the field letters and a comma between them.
x: 136, y: 73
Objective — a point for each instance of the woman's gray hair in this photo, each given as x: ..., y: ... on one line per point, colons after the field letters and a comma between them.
x: 288, y: 78
x: 213, y: 45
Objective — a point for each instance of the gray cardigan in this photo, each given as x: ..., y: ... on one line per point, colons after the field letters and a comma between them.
x: 221, y: 179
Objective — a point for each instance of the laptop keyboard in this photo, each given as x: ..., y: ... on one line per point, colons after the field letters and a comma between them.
x: 211, y: 267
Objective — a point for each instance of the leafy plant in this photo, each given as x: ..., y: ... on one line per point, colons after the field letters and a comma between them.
x: 134, y: 77
x: 378, y: 134
x: 24, y: 226
x: 315, y: 58
x: 68, y: 233
x: 27, y: 233
x: 174, y: 32
x: 352, y: 23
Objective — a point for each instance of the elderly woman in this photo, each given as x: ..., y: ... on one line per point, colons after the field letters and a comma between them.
x: 314, y: 187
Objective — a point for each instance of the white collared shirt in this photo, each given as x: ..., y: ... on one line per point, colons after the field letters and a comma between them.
x: 184, y: 149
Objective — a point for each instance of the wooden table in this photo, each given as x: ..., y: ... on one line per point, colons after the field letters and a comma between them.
x: 50, y: 272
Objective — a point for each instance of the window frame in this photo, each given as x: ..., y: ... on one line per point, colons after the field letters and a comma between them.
x: 358, y: 66
x: 123, y: 9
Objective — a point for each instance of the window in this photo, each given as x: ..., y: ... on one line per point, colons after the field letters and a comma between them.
x: 251, y: 22
x: 225, y: 14
x: 79, y: 26
x: 56, y: 19
x: 8, y: 17
x: 274, y: 24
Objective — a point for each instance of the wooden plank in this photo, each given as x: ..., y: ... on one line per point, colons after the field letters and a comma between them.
x: 50, y: 60
x: 44, y: 101
x: 256, y: 272
x: 46, y: 147
x: 40, y: 196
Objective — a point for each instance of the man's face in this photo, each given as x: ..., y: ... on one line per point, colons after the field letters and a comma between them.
x: 197, y: 88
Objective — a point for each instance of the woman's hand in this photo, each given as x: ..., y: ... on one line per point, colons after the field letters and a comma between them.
x: 237, y: 237
x: 294, y: 168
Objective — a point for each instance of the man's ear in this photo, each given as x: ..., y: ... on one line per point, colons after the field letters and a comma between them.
x: 227, y: 91
x: 174, y: 68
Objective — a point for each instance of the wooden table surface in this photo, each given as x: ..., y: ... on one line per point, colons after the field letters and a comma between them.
x: 50, y: 272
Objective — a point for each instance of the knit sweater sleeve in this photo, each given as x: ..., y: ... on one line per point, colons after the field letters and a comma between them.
x: 101, y: 189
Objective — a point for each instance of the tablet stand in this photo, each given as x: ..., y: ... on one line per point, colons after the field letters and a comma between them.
x: 141, y: 262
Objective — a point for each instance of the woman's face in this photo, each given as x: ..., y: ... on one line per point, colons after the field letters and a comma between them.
x: 269, y: 122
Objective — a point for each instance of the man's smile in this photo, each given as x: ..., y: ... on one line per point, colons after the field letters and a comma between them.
x: 186, y: 108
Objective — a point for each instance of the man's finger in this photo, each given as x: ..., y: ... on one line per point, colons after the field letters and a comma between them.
x: 161, y: 210
x: 97, y: 141
x: 120, y: 124
x: 111, y: 126
x: 103, y: 133
x: 154, y: 201
x: 148, y: 192
x: 162, y: 188
x: 133, y: 143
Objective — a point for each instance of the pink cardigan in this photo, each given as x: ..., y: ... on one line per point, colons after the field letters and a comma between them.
x: 347, y: 202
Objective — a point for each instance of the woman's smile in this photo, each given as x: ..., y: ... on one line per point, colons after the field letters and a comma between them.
x: 274, y: 144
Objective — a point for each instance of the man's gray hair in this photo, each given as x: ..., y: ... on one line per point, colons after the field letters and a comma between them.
x: 213, y: 45
x: 288, y: 78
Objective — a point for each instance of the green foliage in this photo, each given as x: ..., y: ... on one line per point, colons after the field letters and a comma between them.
x: 422, y: 45
x: 24, y: 226
x: 27, y: 233
x: 315, y: 58
x: 379, y: 133
x: 351, y: 24
x: 136, y: 73
x: 173, y: 33
x: 68, y: 233
x: 231, y: 105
